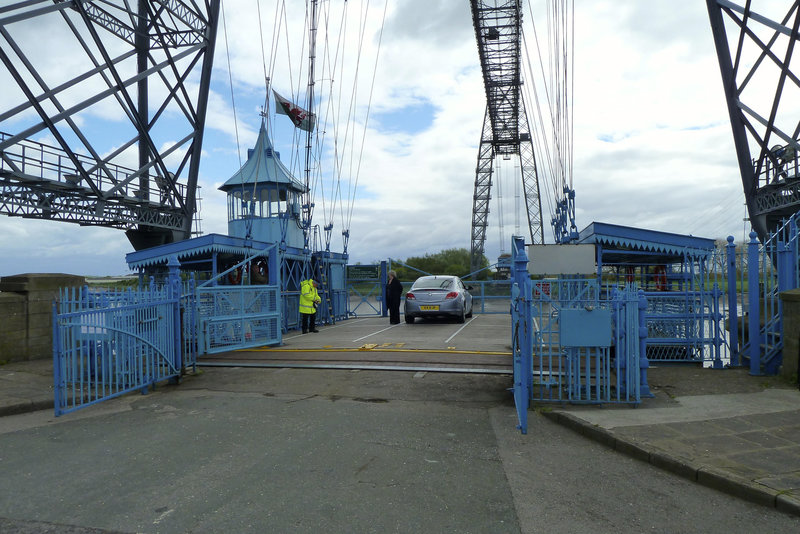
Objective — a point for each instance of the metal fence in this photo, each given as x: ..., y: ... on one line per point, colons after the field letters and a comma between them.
x: 573, y: 342
x: 109, y: 343
x: 581, y: 351
x: 685, y: 326
x: 490, y: 296
x: 237, y: 317
x: 756, y: 277
x: 365, y: 288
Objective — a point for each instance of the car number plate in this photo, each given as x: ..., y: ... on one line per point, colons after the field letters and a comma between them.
x: 429, y: 308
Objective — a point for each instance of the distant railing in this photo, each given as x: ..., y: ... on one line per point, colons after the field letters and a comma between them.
x: 28, y: 159
x: 490, y: 296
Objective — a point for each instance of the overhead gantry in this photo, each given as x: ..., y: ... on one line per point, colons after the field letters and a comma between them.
x: 505, y: 126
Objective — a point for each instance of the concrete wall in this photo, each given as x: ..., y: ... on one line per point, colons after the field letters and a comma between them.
x: 26, y: 314
x: 791, y: 334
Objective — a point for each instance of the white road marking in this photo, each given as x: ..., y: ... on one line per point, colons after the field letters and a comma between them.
x: 330, y: 327
x: 162, y: 516
x: 460, y: 329
x: 374, y: 333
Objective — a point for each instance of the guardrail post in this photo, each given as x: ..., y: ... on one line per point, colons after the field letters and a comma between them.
x: 522, y: 330
x: 174, y: 294
x: 619, y: 307
x: 381, y: 290
x: 754, y: 301
x: 785, y: 268
x: 792, y: 243
x: 717, y: 317
x: 57, y: 372
x: 733, y: 306
x: 191, y: 308
x: 644, y: 364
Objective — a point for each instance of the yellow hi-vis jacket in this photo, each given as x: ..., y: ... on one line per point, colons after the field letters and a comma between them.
x: 309, y: 298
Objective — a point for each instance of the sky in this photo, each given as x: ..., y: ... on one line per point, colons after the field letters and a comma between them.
x: 652, y: 144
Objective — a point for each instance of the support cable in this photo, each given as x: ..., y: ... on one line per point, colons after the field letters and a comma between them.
x: 366, y: 119
x: 230, y: 84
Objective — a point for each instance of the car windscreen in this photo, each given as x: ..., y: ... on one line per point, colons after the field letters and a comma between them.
x: 432, y: 283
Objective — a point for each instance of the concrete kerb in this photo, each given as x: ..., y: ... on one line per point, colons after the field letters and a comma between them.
x: 744, y: 489
x: 26, y: 407
x: 707, y: 476
x: 788, y: 504
x: 673, y: 465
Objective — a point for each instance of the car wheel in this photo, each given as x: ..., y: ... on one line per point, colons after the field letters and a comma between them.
x: 469, y: 315
x: 463, y: 317
x: 410, y: 319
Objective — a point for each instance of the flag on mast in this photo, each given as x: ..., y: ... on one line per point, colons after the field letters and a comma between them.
x: 300, y: 117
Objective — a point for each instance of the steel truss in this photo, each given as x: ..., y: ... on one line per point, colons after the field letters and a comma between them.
x: 756, y: 52
x: 505, y: 128
x: 148, y: 60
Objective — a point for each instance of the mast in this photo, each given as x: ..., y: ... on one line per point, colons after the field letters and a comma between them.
x: 312, y: 47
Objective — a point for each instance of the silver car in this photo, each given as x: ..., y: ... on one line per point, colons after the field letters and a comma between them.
x: 436, y: 296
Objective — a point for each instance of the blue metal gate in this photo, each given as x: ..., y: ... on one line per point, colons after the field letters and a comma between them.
x: 685, y: 326
x: 238, y: 317
x: 365, y: 285
x: 574, y: 341
x: 109, y: 343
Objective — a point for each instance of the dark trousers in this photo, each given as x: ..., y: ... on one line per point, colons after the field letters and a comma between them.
x: 394, y: 314
x: 309, y: 321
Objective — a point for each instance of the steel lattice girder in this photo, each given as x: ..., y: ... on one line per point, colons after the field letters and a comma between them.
x: 483, y: 193
x: 530, y: 182
x: 505, y: 131
x: 39, y: 201
x: 783, y: 199
x: 127, y: 52
x: 497, y: 31
x: 762, y: 54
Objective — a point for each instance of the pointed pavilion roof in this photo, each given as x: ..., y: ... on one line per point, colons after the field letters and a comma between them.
x: 262, y: 167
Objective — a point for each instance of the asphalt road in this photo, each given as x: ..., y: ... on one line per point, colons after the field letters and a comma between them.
x: 293, y: 450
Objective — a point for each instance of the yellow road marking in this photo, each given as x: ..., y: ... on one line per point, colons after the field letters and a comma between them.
x: 371, y: 346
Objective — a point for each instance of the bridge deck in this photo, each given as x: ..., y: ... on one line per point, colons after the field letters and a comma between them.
x: 481, y: 344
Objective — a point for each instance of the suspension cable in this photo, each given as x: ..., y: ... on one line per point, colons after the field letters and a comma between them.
x: 369, y: 105
x: 333, y: 55
x: 230, y: 82
x: 558, y: 87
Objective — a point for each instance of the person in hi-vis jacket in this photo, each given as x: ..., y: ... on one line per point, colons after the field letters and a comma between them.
x: 309, y: 299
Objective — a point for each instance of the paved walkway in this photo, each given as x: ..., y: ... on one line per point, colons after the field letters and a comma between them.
x: 724, y: 429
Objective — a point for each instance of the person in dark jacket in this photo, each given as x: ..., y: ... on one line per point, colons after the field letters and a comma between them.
x: 394, y: 291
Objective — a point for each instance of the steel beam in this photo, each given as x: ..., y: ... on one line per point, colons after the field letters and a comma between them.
x: 762, y: 128
x: 165, y: 43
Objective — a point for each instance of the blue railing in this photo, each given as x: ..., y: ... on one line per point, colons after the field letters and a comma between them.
x: 763, y: 271
x: 685, y: 326
x: 586, y: 347
x: 490, y: 296
x: 109, y: 343
x: 38, y: 160
x: 238, y: 317
x: 573, y: 342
